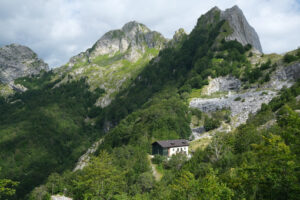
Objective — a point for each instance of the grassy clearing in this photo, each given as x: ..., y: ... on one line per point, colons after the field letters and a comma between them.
x: 5, y: 90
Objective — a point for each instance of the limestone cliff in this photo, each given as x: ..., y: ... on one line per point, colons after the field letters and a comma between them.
x: 240, y: 28
x: 18, y: 61
x: 242, y: 31
x: 132, y: 40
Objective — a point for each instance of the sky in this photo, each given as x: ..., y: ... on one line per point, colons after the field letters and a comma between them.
x: 59, y: 29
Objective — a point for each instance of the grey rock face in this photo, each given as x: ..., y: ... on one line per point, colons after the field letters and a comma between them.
x: 240, y: 109
x: 222, y: 84
x: 284, y: 76
x: 242, y: 31
x: 242, y: 103
x: 18, y: 61
x: 179, y: 35
x: 84, y: 159
x: 60, y: 197
x: 293, y: 71
x: 133, y: 37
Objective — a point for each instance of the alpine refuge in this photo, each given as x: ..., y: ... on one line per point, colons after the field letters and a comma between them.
x: 170, y: 147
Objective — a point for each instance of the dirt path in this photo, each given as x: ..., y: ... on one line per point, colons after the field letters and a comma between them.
x: 157, y: 175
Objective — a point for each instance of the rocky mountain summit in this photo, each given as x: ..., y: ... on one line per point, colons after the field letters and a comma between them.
x: 133, y: 37
x: 241, y: 31
x: 132, y: 40
x: 115, y: 59
x: 18, y: 61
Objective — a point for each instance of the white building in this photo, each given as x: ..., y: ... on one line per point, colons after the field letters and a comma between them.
x: 170, y: 147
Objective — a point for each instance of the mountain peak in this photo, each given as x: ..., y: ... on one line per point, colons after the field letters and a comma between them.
x: 135, y: 26
x: 133, y: 39
x: 240, y: 28
x: 235, y: 7
x: 242, y: 31
x: 17, y: 61
x: 215, y: 8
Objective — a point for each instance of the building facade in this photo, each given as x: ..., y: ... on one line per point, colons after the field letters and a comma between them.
x: 170, y: 147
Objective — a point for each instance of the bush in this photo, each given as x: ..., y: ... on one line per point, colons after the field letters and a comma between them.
x: 266, y: 65
x: 176, y: 161
x: 237, y: 99
x: 196, y: 112
x: 158, y: 159
x: 288, y: 58
x: 210, y: 124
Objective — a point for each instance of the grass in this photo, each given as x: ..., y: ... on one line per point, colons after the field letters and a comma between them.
x: 201, y: 143
x: 197, y: 93
x: 5, y: 90
x: 114, y: 72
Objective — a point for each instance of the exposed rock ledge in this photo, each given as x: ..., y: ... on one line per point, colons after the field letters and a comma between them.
x: 84, y: 159
x: 59, y: 197
x: 249, y: 102
x: 242, y: 104
x: 222, y: 84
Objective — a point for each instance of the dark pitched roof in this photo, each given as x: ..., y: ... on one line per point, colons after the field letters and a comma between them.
x: 172, y: 143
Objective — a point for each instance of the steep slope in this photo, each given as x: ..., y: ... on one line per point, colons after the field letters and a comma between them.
x: 260, y: 84
x: 18, y: 61
x: 47, y: 128
x: 43, y: 130
x: 242, y: 31
x: 238, y: 27
x: 115, y: 59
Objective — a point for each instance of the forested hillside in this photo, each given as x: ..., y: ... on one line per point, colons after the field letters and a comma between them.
x: 43, y: 130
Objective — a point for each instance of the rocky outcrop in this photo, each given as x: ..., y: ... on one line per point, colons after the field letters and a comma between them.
x: 242, y: 31
x: 179, y: 35
x: 84, y: 159
x: 241, y: 102
x: 222, y: 84
x: 284, y: 76
x: 132, y: 40
x: 241, y: 105
x: 133, y: 36
x: 60, y: 197
x: 18, y: 61
x: 17, y: 87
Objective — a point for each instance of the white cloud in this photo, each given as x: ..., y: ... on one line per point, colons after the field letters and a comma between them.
x: 59, y: 29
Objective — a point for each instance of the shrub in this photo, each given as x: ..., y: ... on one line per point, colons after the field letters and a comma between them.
x: 266, y: 65
x: 158, y: 159
x: 176, y: 161
x: 196, y: 112
x: 237, y: 99
x: 288, y: 58
x: 210, y: 123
